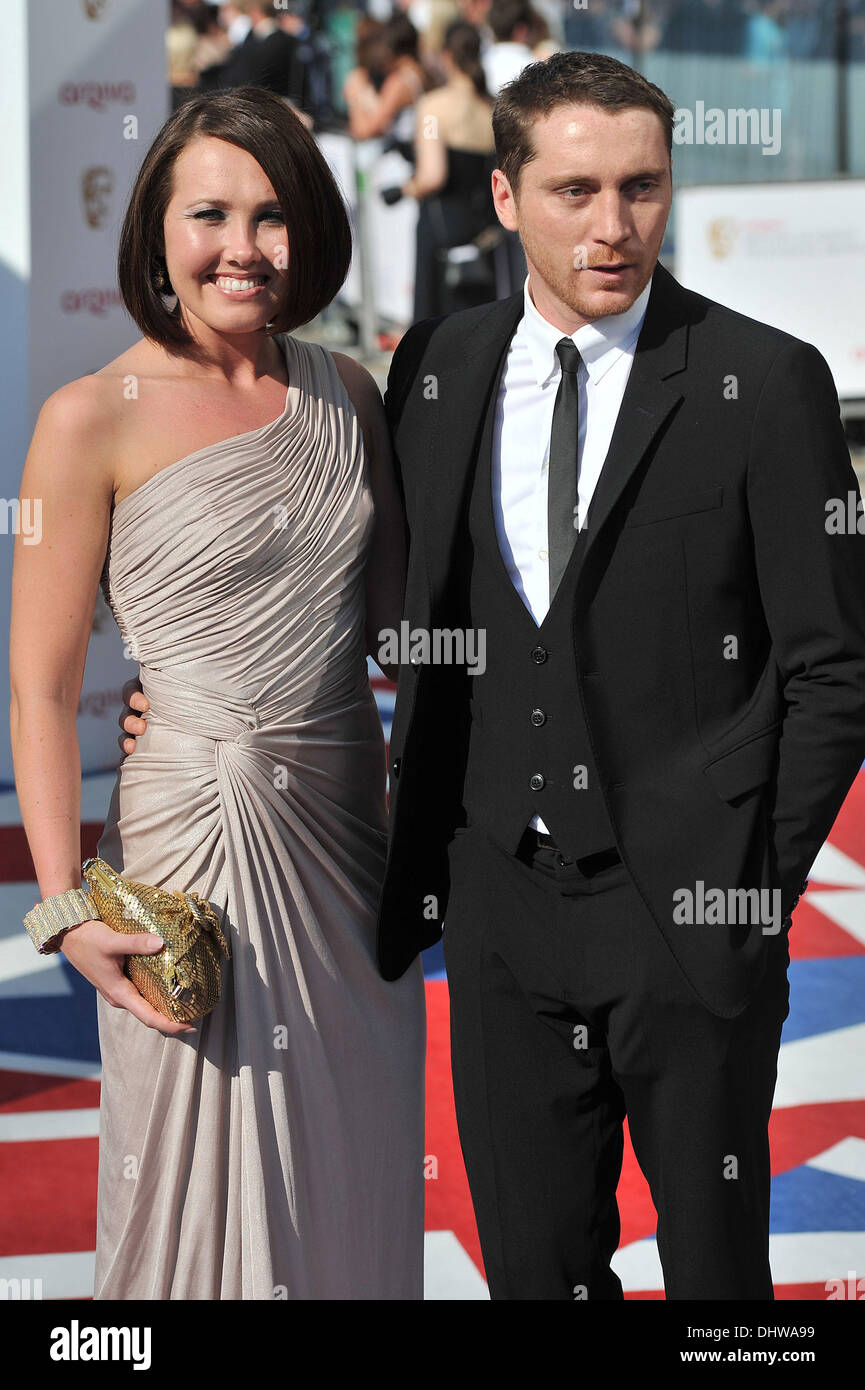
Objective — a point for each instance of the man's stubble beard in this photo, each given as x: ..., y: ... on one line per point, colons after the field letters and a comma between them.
x: 566, y: 289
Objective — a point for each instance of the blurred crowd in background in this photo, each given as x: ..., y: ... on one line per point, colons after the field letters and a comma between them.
x: 306, y: 49
x: 376, y: 70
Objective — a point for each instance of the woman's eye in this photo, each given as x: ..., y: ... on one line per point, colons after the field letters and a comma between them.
x: 206, y: 214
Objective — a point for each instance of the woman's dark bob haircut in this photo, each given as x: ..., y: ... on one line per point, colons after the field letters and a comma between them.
x: 316, y: 220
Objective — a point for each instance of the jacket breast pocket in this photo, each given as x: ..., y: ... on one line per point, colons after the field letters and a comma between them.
x: 666, y: 507
x: 744, y: 767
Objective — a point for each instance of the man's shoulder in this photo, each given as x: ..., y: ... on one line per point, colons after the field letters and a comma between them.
x: 447, y: 331
x: 725, y: 327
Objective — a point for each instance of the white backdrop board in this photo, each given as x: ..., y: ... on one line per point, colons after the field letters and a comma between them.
x: 83, y: 87
x: 792, y: 255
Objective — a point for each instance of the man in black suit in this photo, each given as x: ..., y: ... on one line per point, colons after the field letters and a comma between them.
x: 631, y: 701
x: 616, y: 490
x: 267, y: 57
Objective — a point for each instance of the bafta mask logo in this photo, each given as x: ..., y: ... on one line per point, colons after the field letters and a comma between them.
x: 97, y: 185
x: 94, y: 9
x: 721, y: 234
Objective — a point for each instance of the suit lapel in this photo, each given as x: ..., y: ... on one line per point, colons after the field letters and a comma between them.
x: 647, y: 402
x: 464, y: 390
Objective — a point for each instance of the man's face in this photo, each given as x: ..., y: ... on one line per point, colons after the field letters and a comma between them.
x: 597, y: 194
x: 475, y: 11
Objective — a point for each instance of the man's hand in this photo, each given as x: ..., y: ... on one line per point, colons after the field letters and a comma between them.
x: 135, y: 700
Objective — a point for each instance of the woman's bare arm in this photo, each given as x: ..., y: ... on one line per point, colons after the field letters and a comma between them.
x: 431, y: 161
x: 372, y: 113
x: 53, y: 594
x: 54, y: 583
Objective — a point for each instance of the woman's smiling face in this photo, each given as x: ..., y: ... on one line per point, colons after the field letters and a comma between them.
x: 224, y: 224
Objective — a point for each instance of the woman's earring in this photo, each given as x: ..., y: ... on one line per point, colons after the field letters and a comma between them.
x: 160, y: 280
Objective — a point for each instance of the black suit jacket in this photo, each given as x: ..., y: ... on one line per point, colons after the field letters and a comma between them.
x: 271, y: 60
x: 719, y: 629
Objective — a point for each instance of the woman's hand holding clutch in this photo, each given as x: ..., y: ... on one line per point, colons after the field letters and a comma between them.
x: 97, y: 952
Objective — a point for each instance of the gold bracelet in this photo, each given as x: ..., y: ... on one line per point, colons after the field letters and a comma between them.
x: 54, y: 916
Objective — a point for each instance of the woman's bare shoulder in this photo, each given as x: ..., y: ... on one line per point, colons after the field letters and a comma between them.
x: 78, y: 429
x: 119, y: 377
x: 434, y: 99
x: 93, y: 402
x: 360, y: 384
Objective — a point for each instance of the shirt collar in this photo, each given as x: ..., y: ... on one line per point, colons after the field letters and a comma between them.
x: 599, y: 343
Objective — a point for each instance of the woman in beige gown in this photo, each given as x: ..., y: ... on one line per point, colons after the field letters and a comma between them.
x: 276, y: 1149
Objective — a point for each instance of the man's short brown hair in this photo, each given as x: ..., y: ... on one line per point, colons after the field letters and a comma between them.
x: 316, y: 220
x: 566, y: 79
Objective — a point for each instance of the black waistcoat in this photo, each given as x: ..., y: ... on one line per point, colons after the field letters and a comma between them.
x: 529, y: 750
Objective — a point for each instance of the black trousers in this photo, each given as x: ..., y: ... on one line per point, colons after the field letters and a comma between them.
x: 569, y: 1012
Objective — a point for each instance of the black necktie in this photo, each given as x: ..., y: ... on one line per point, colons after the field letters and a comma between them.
x: 562, y: 518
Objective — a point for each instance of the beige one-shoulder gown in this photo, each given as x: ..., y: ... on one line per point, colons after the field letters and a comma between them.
x: 277, y: 1152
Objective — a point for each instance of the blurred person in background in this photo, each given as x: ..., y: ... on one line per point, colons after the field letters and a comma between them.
x: 313, y: 54
x: 810, y: 27
x: 381, y: 92
x: 213, y: 44
x: 591, y: 30
x: 368, y: 36
x: 637, y: 29
x: 477, y: 12
x: 454, y: 149
x: 552, y: 13
x: 706, y: 26
x: 185, y: 11
x: 765, y: 34
x: 196, y: 43
x: 511, y: 24
x: 431, y: 19
x: 540, y: 39
x: 235, y: 21
x: 267, y: 57
x: 180, y: 48
x: 856, y: 32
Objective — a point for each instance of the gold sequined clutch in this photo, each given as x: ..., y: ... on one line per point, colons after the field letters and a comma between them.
x: 182, y: 980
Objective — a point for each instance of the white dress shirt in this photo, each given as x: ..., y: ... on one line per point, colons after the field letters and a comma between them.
x: 522, y: 427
